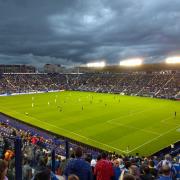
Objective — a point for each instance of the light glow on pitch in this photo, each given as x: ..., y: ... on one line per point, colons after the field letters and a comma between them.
x: 131, y: 62
x: 96, y: 64
x: 173, y: 60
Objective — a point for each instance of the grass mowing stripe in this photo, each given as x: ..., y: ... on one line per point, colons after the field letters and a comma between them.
x: 164, y: 121
x: 131, y: 127
x: 76, y: 134
x: 154, y: 139
x: 140, y: 118
x: 86, y: 138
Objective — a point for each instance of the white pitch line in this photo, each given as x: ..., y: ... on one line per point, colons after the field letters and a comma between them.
x: 71, y: 132
x: 84, y: 137
x: 170, y: 117
x: 163, y: 120
x: 132, y: 127
x: 168, y: 123
x: 154, y: 139
x: 109, y: 122
x: 137, y: 112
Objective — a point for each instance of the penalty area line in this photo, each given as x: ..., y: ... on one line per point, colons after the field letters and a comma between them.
x: 132, y: 127
x: 164, y: 121
x: 154, y: 139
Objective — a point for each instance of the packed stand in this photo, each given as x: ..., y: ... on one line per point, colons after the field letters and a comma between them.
x: 155, y: 84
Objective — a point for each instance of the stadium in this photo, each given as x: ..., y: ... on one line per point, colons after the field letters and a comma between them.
x: 121, y: 110
x: 89, y: 90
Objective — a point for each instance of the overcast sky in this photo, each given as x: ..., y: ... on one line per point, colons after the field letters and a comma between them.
x: 73, y: 32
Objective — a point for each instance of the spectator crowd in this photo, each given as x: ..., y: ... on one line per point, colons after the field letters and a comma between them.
x: 155, y: 84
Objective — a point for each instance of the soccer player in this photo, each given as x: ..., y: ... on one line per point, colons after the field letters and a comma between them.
x: 175, y: 114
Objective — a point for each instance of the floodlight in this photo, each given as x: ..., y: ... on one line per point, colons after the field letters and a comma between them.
x: 131, y: 62
x: 96, y: 64
x: 173, y: 60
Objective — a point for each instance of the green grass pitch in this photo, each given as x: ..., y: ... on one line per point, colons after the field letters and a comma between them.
x: 124, y: 124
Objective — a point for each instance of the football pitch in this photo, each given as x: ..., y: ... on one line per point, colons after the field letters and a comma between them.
x: 124, y: 124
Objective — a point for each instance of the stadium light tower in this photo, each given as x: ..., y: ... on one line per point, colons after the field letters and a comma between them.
x: 173, y: 60
x: 96, y: 64
x: 131, y: 62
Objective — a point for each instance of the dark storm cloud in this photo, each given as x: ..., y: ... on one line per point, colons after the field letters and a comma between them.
x: 77, y: 31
